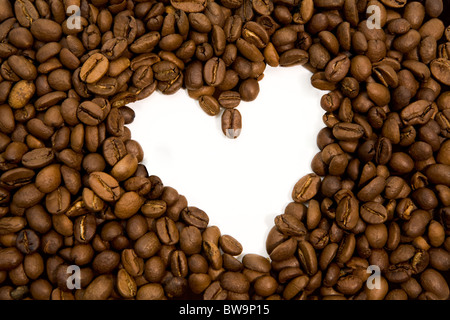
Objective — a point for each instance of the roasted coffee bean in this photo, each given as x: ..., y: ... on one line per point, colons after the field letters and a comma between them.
x: 23, y: 67
x: 189, y: 6
x: 347, y: 212
x: 347, y: 131
x: 90, y: 113
x: 11, y: 258
x: 432, y: 281
x: 290, y: 225
x: 214, y: 71
x: 373, y: 212
x: 210, y: 105
x: 308, y: 257
x: 231, y: 99
x: 337, y: 68
x: 104, y: 185
x: 249, y: 90
x: 94, y: 68
x: 231, y: 123
x: 195, y: 217
x: 128, y: 205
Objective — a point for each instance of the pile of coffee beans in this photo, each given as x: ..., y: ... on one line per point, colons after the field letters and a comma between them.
x: 82, y: 218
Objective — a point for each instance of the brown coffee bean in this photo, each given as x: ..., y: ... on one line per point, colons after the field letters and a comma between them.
x: 432, y: 281
x: 16, y: 177
x: 347, y: 131
x: 195, y: 217
x: 46, y: 30
x: 231, y: 99
x: 147, y: 245
x: 133, y: 264
x: 127, y: 205
x: 407, y: 41
x: 210, y: 105
x: 347, y: 212
x: 308, y: 257
x: 11, y: 258
x: 372, y: 189
x: 249, y: 90
x: 235, y: 282
x: 23, y: 67
x: 191, y: 240
x: 104, y: 185
x: 189, y: 6
x: 231, y: 123
x: 439, y: 259
x: 126, y: 286
x: 167, y: 231
x: 337, y: 68
x: 306, y: 188
x: 214, y: 71
x: 11, y: 224
x: 27, y: 196
x: 295, y: 286
x: 290, y: 225
x: 100, y: 288
x: 373, y: 212
x: 349, y: 284
x: 49, y: 178
x: 401, y: 162
x: 21, y: 93
x: 90, y: 113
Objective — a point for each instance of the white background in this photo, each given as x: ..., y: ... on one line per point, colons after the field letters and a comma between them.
x: 241, y: 184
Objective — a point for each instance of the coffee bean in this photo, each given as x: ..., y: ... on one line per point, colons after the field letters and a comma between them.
x: 27, y: 196
x: 104, y: 185
x: 347, y: 131
x: 127, y: 205
x: 347, y: 212
x: 231, y: 123
x: 418, y: 112
x: 290, y: 225
x: 255, y: 34
x: 307, y: 256
x: 235, y: 282
x: 46, y: 30
x: 295, y: 286
x: 306, y: 188
x: 249, y: 50
x: 23, y: 67
x: 16, y: 177
x: 189, y: 5
x: 230, y: 99
x: 337, y: 68
x: 210, y: 105
x: 214, y: 71
x: 293, y: 57
x: 11, y: 258
x: 433, y: 281
x: 249, y: 90
x: 126, y: 286
x: 195, y: 217
x: 230, y: 245
x: 407, y: 41
x: 191, y: 240
x: 21, y: 93
x: 94, y: 68
x: 373, y: 212
x: 100, y: 288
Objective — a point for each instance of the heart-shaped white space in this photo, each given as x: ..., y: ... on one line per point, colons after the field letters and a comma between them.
x: 241, y: 184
